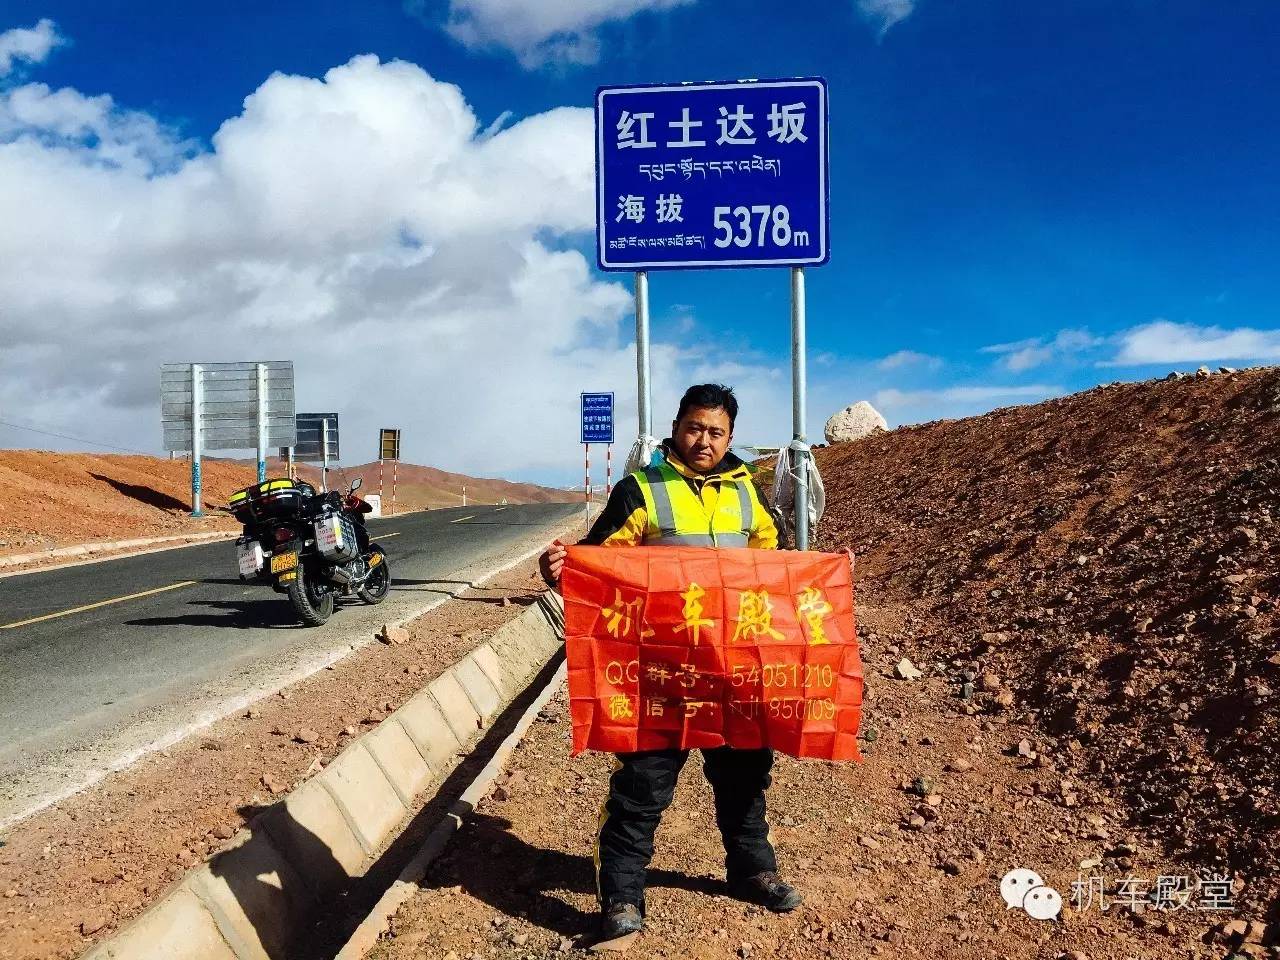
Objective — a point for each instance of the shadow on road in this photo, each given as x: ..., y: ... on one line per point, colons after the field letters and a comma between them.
x: 239, y: 614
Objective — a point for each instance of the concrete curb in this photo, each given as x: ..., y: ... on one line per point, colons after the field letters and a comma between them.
x: 373, y: 926
x: 260, y: 897
x: 88, y: 549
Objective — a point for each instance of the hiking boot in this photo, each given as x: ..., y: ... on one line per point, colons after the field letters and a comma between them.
x: 620, y: 919
x: 768, y: 890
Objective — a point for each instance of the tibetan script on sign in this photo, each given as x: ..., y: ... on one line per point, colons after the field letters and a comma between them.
x: 684, y: 647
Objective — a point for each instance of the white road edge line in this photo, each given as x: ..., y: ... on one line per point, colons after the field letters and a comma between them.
x: 242, y: 702
x: 461, y: 519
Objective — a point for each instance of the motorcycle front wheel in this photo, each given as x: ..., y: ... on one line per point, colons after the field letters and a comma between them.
x: 376, y: 588
x: 313, y: 605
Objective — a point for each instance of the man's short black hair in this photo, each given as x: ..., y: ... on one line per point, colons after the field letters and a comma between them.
x: 709, y: 396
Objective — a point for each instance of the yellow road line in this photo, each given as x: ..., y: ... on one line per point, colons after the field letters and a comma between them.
x: 460, y: 519
x: 95, y: 606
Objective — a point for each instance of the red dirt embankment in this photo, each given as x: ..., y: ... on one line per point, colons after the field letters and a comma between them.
x: 1111, y: 561
x: 58, y: 499
x: 50, y: 500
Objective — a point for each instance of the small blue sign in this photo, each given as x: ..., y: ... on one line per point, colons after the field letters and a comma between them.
x: 597, y: 418
x: 712, y: 175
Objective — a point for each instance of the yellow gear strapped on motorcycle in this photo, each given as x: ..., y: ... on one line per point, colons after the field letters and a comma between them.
x: 375, y: 560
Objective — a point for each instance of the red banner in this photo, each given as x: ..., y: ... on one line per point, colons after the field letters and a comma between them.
x: 686, y: 647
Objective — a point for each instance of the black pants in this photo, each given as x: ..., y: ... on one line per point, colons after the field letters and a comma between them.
x: 641, y: 789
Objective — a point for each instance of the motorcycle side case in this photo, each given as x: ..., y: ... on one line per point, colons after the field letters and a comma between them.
x: 336, y: 538
x: 251, y: 559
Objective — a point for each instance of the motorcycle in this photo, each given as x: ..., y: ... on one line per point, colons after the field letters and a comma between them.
x: 311, y: 546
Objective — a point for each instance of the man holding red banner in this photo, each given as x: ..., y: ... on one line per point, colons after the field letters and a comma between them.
x: 698, y: 494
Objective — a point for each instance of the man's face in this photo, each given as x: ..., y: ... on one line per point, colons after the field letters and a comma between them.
x: 702, y: 437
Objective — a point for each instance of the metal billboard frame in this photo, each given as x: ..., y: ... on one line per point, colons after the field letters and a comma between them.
x: 226, y: 406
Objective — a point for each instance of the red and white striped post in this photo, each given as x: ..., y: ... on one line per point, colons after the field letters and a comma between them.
x: 380, y: 497
x: 586, y: 485
x: 395, y: 475
x: 608, y: 470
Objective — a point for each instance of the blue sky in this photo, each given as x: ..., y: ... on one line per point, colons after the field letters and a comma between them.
x: 1027, y: 198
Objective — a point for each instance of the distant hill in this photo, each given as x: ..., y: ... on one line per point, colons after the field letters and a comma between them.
x: 419, y: 487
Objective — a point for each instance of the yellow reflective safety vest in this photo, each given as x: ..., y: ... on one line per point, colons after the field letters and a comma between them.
x: 678, y: 517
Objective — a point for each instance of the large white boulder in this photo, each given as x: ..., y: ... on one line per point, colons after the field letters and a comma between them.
x: 854, y: 422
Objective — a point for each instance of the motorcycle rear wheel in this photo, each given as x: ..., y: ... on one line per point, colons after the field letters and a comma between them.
x: 313, y: 606
x: 375, y: 589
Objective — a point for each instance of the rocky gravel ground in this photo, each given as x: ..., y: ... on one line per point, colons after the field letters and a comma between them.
x: 1108, y: 567
x: 899, y: 856
x: 1070, y: 627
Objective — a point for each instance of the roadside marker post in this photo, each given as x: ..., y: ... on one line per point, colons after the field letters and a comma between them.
x: 658, y: 206
x: 597, y: 427
x: 388, y: 449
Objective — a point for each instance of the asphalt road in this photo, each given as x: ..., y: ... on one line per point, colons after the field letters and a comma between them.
x: 157, y: 641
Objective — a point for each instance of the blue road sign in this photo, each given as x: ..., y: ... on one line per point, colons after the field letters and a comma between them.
x: 712, y: 175
x: 597, y: 418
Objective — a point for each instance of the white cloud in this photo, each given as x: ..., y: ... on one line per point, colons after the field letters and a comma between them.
x: 909, y: 358
x: 27, y: 45
x: 1163, y: 341
x: 541, y: 32
x: 885, y: 13
x: 1025, y: 355
x: 91, y: 128
x: 418, y: 272
x: 898, y: 405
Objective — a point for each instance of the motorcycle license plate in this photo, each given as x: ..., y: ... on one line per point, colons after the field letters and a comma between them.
x: 282, y: 562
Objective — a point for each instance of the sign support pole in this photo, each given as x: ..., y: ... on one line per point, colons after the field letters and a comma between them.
x: 798, y: 403
x: 586, y: 485
x: 324, y: 456
x: 644, y: 401
x: 395, y: 473
x: 608, y: 470
x: 290, y: 466
x: 262, y: 422
x: 380, y: 463
x: 197, y: 414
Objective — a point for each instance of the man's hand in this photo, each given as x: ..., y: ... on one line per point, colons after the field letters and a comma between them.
x: 552, y: 562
